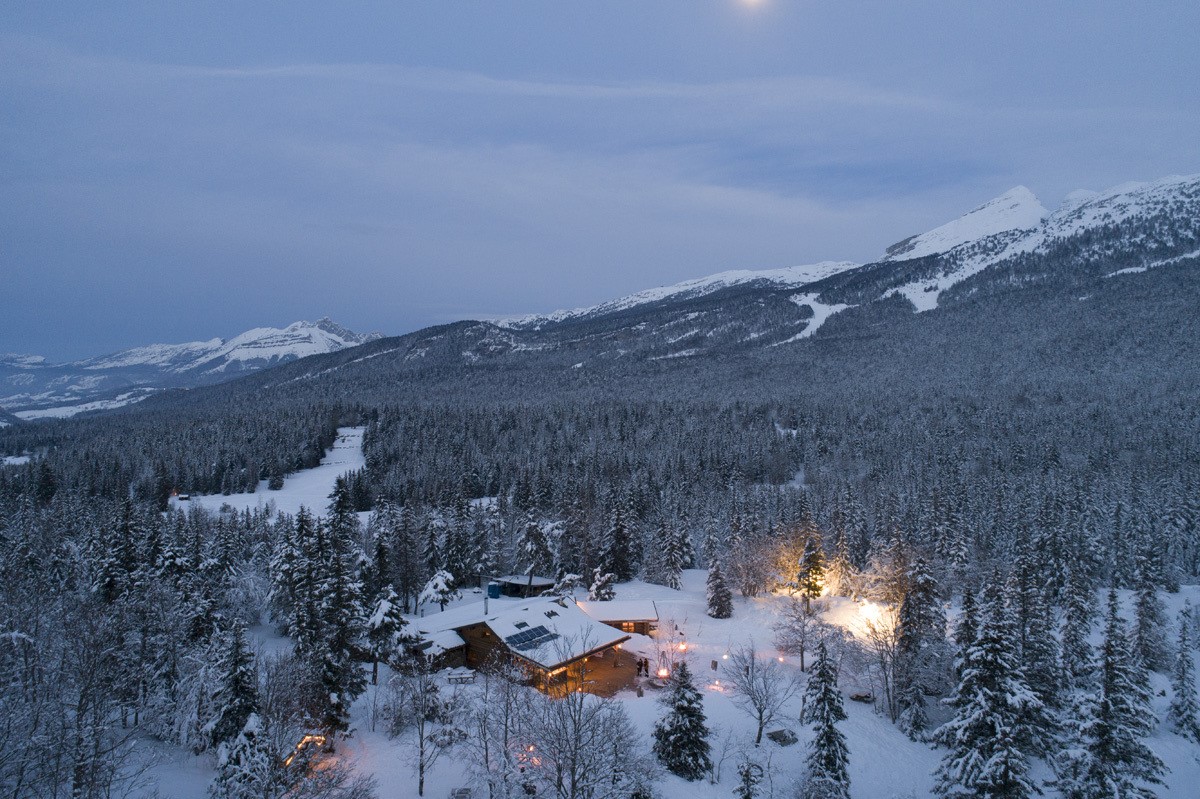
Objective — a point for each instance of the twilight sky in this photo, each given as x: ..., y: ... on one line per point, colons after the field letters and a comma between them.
x: 173, y: 171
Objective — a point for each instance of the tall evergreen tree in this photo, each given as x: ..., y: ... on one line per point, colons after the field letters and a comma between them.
x: 810, y: 570
x: 994, y: 727
x: 922, y: 654
x: 826, y: 776
x: 1184, y: 713
x: 386, y: 631
x: 1107, y: 757
x: 533, y: 549
x: 720, y: 598
x: 246, y: 766
x: 236, y: 696
x: 341, y: 678
x: 617, y: 546
x: 1077, y: 658
x: 681, y: 736
x: 1150, y: 618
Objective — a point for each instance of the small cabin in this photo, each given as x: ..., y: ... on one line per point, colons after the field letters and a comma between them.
x: 627, y: 615
x: 523, y: 586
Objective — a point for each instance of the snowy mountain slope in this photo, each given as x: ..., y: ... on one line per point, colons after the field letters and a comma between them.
x: 1169, y: 210
x: 33, y: 388
x: 788, y: 277
x: 1016, y: 209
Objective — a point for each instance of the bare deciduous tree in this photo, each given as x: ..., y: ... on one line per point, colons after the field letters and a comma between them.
x: 760, y: 686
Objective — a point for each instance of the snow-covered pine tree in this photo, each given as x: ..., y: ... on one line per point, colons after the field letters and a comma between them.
x: 341, y: 518
x: 1150, y: 617
x: 720, y: 598
x: 994, y: 724
x: 750, y: 776
x: 1040, y: 654
x: 440, y: 590
x: 922, y: 653
x: 236, y: 696
x: 385, y: 630
x: 965, y: 631
x: 1184, y: 713
x: 533, y: 549
x: 1107, y: 757
x: 826, y: 776
x: 681, y: 736
x: 840, y: 574
x: 810, y: 572
x: 246, y: 767
x: 617, y: 545
x: 602, y: 589
x: 667, y: 556
x: 340, y: 675
x: 1077, y: 660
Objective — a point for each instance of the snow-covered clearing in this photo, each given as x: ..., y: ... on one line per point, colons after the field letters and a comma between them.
x: 884, y: 764
x: 820, y: 313
x: 14, y: 460
x: 309, y: 488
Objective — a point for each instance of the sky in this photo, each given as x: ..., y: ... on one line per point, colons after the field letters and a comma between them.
x: 178, y: 171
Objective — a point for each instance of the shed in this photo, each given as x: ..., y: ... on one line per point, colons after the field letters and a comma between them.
x: 627, y: 615
x: 524, y: 585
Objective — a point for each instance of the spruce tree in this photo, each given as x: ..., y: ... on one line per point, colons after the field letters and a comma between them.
x: 602, y: 589
x: 339, y: 673
x: 681, y: 736
x: 1107, y: 757
x: 533, y: 549
x: 1077, y: 660
x: 994, y: 724
x: 810, y: 573
x: 720, y: 598
x: 826, y: 776
x: 1184, y: 713
x: 236, y: 697
x: 616, y: 551
x: 246, y: 766
x: 921, y: 649
x: 965, y: 631
x: 439, y: 590
x: 385, y: 630
x: 1150, y: 622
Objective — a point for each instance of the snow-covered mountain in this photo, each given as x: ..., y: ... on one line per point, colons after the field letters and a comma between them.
x: 787, y: 277
x: 31, y: 387
x: 1016, y: 209
x: 1016, y: 224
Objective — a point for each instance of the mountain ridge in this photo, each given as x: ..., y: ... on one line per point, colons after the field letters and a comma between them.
x: 33, y: 387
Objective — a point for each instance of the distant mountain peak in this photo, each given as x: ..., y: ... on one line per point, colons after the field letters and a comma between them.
x: 1016, y: 209
x: 33, y: 387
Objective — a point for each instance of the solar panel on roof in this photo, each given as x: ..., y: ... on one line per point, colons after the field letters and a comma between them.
x: 530, y: 639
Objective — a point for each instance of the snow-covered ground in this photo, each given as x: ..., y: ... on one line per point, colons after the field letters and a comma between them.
x: 309, y: 488
x: 884, y: 764
x: 14, y: 460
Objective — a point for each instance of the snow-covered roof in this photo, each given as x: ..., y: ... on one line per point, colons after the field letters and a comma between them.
x: 539, y: 630
x: 549, y: 634
x: 436, y: 643
x: 523, y: 579
x: 621, y: 610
